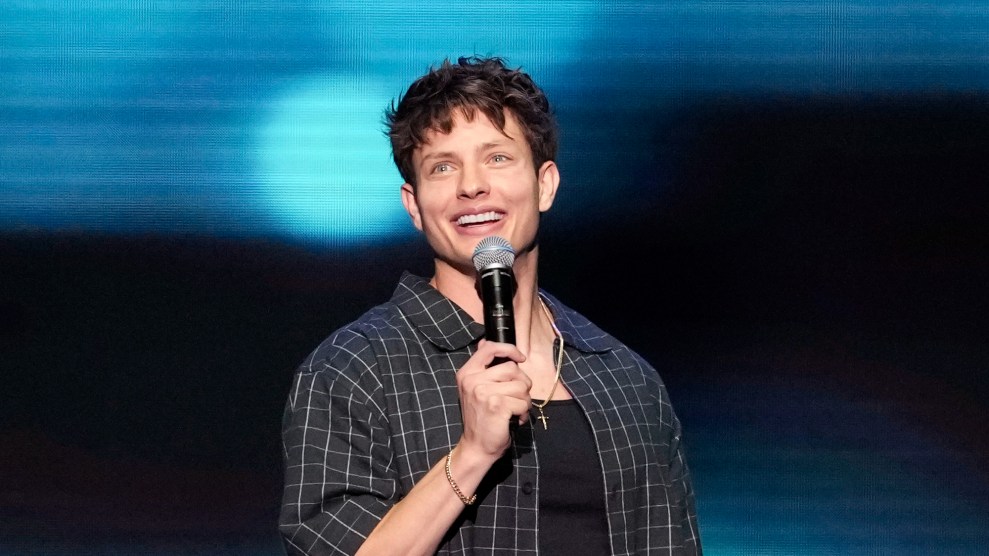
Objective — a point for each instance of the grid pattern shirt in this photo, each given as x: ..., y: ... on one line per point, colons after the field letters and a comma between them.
x: 375, y: 406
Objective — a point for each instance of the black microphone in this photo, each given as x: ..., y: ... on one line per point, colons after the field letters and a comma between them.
x: 493, y: 258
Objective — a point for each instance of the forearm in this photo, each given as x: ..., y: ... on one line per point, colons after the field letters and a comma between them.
x: 417, y: 524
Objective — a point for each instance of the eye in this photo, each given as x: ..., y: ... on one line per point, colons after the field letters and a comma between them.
x: 441, y: 168
x: 499, y: 158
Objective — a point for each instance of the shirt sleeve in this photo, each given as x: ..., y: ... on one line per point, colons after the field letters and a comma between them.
x: 682, y: 500
x: 683, y: 493
x: 339, y: 477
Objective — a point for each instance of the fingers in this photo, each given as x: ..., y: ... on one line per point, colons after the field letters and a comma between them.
x: 493, y: 390
x: 502, y: 390
x: 494, y: 363
x: 496, y: 352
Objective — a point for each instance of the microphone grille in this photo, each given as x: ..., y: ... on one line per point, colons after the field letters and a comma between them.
x: 493, y: 250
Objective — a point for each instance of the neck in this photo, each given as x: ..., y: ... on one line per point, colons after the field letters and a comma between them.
x: 531, y: 326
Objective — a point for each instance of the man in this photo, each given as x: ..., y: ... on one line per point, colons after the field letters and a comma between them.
x: 397, y: 429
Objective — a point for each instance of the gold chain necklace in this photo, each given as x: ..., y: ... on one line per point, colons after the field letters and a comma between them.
x: 559, y: 366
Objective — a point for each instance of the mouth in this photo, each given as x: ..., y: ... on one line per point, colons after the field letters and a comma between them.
x: 480, y: 218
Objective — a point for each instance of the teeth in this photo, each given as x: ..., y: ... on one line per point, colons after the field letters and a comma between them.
x: 490, y: 216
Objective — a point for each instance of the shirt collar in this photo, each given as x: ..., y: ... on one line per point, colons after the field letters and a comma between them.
x: 576, y: 329
x: 450, y: 328
x: 442, y: 321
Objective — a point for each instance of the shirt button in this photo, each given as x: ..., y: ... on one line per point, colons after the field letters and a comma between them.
x: 527, y: 488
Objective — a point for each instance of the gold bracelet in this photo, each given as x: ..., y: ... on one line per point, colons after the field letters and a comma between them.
x: 449, y: 477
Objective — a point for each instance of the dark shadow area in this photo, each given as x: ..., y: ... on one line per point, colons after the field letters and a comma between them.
x: 807, y: 274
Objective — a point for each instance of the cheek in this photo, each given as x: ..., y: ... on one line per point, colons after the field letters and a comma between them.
x: 430, y: 209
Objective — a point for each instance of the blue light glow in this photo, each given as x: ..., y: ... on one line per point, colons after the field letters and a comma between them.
x: 264, y: 119
x: 324, y: 163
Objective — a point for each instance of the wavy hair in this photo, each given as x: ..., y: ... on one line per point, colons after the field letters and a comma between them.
x: 471, y: 84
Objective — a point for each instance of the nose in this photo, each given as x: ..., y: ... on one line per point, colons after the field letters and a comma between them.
x: 472, y: 183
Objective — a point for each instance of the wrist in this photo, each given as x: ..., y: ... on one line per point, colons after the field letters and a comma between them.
x: 467, y: 467
x: 467, y: 500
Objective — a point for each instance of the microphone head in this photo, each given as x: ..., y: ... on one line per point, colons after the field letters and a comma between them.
x: 492, y: 251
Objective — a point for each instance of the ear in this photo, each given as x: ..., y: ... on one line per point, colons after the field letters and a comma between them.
x: 411, y: 205
x: 549, y: 180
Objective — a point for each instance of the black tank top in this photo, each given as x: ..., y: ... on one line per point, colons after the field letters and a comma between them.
x: 573, y: 520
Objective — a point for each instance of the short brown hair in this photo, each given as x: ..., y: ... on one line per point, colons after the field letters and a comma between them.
x: 472, y: 84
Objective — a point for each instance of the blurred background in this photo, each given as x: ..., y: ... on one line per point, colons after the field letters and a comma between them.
x: 781, y: 204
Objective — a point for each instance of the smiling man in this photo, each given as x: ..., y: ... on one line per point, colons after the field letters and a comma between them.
x: 396, y: 430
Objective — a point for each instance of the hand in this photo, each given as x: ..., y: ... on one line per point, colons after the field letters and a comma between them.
x: 490, y: 396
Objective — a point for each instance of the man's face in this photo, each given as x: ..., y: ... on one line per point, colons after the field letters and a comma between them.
x: 476, y: 182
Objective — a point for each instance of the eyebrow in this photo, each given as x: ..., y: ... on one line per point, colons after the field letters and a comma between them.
x: 482, y: 147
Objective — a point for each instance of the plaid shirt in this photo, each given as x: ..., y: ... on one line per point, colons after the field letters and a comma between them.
x: 375, y: 406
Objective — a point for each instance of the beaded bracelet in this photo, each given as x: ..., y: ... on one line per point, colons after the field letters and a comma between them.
x: 456, y: 489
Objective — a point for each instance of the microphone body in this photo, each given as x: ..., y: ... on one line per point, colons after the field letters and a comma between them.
x: 497, y: 293
x: 493, y: 258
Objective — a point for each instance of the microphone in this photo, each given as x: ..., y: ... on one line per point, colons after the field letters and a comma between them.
x: 493, y: 258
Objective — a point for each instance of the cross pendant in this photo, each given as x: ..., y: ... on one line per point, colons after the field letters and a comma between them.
x: 542, y: 417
